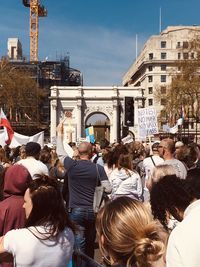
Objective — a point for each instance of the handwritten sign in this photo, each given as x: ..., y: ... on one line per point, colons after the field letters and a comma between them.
x: 147, y: 122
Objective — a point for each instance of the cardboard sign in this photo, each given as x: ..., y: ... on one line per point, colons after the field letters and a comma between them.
x: 128, y: 139
x: 147, y: 122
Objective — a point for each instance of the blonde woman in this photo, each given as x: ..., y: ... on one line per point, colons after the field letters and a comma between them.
x: 159, y: 172
x: 129, y: 236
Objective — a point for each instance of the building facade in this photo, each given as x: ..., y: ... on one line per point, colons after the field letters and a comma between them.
x: 77, y: 105
x: 155, y: 65
x: 14, y: 49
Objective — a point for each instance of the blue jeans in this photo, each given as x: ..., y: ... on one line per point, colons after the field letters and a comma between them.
x: 86, y: 233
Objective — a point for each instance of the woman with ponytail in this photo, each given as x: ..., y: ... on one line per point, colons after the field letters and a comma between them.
x: 129, y: 236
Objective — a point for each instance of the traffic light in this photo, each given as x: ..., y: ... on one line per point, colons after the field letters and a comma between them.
x: 128, y: 111
x: 125, y: 131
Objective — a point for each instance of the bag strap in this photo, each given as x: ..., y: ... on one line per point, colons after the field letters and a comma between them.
x: 153, y: 160
x: 98, y: 176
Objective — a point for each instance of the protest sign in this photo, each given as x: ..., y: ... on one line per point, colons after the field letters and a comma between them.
x: 147, y: 122
x: 128, y: 139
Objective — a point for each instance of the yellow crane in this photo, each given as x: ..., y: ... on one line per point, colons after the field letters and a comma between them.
x: 36, y: 10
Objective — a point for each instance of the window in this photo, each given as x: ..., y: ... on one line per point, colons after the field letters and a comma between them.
x: 163, y: 101
x: 163, y: 67
x: 151, y: 56
x: 150, y: 89
x: 163, y: 78
x: 150, y: 79
x: 192, y: 55
x: 163, y: 90
x: 185, y: 55
x: 163, y: 44
x: 179, y: 55
x: 150, y: 68
x: 178, y: 44
x: 163, y: 55
x: 185, y: 44
x: 150, y: 102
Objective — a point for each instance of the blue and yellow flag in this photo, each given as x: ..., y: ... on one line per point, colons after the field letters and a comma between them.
x: 89, y: 132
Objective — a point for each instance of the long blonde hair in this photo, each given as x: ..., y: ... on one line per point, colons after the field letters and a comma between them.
x: 127, y: 233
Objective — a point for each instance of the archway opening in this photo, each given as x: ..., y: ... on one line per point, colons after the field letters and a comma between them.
x: 101, y: 124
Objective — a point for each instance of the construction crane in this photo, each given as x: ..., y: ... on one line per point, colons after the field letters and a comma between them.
x: 36, y: 10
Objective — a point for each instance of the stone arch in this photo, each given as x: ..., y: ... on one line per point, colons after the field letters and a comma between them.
x: 101, y: 123
x: 107, y: 111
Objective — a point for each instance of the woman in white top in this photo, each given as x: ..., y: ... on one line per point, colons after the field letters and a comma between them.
x: 48, y: 238
x: 124, y: 180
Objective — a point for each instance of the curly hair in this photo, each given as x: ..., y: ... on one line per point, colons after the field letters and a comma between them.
x: 169, y: 196
x: 128, y: 233
x: 193, y: 182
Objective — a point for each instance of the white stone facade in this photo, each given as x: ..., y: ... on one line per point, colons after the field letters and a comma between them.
x: 14, y: 49
x: 154, y: 66
x: 81, y: 102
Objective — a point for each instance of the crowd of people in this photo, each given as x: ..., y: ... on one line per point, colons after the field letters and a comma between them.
x: 150, y: 216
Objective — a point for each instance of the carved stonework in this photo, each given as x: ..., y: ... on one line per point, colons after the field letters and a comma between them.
x: 107, y: 110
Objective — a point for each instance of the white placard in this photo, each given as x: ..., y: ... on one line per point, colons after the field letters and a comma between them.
x: 147, y: 122
x: 128, y: 139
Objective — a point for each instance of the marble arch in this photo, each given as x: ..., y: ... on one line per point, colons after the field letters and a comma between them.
x: 77, y: 103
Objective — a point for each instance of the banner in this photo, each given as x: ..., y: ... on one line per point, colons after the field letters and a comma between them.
x: 19, y: 139
x: 147, y: 122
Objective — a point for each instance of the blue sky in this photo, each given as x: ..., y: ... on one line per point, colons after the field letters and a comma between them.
x: 98, y: 34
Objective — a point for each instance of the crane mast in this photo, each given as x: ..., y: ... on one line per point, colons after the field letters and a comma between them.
x: 36, y: 11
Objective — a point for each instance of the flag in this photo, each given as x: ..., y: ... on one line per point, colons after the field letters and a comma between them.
x: 89, y: 132
x: 8, y: 131
x: 27, y: 116
x: 183, y: 114
x: 17, y: 116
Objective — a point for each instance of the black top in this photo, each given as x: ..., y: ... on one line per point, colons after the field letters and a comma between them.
x: 82, y: 180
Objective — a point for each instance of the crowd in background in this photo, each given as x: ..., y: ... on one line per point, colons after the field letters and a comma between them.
x: 150, y: 217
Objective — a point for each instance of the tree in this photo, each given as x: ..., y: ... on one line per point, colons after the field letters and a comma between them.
x: 184, y: 89
x: 19, y: 93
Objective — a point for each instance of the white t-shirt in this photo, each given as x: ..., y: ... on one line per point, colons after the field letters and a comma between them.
x: 34, y: 166
x: 149, y: 165
x: 184, y: 241
x: 28, y: 250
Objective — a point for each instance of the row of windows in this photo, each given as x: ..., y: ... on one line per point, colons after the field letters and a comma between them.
x: 163, y: 55
x: 163, y: 67
x: 163, y: 90
x: 184, y: 55
x: 185, y: 44
x: 163, y: 78
x: 162, y: 101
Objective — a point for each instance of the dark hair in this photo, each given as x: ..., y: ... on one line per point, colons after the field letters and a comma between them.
x: 32, y: 149
x: 48, y: 206
x: 104, y: 143
x: 193, y: 182
x: 169, y: 195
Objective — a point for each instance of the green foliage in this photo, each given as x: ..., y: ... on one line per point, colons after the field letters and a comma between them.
x: 19, y: 92
x: 184, y: 89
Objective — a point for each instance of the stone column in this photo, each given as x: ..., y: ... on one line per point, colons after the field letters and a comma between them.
x: 53, y: 121
x: 114, y: 121
x: 79, y: 122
